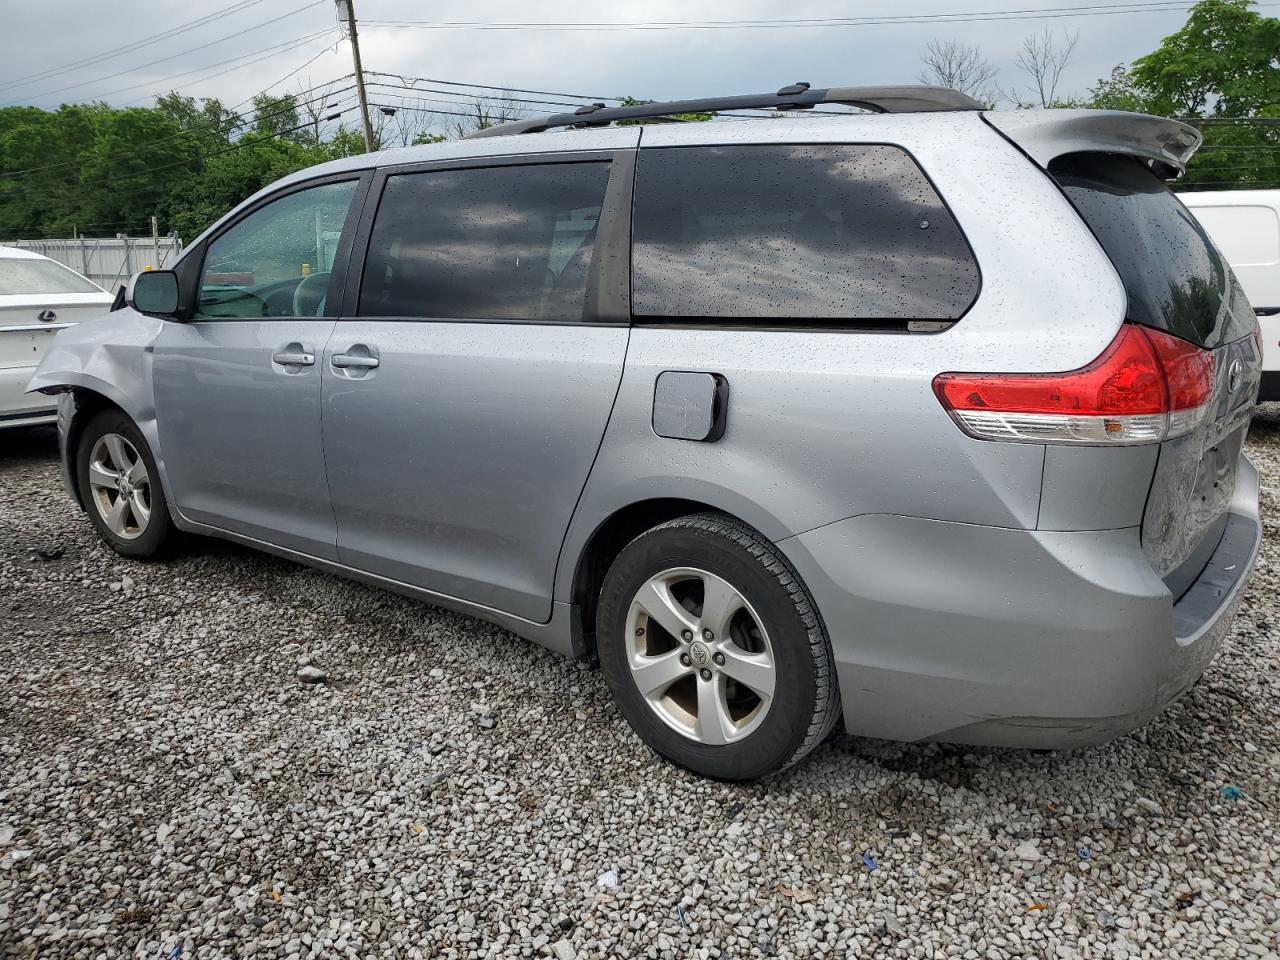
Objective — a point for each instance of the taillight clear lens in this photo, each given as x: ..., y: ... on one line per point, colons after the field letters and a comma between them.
x: 1146, y: 386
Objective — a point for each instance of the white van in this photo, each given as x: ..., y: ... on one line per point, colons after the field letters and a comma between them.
x: 1245, y: 224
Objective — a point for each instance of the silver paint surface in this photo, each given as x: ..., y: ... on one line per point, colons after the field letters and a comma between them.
x: 471, y: 467
x: 242, y: 433
x: 684, y: 405
x: 455, y: 465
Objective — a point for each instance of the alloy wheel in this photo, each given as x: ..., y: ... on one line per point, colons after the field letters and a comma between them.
x: 700, y: 656
x: 120, y: 486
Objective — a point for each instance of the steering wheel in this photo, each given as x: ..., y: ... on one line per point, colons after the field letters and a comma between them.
x: 308, y: 295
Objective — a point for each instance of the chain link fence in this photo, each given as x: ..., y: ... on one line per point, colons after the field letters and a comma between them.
x: 108, y: 262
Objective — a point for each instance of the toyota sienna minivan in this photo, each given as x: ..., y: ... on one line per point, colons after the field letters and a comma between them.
x: 926, y: 419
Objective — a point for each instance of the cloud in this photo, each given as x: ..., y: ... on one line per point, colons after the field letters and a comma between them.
x: 658, y: 64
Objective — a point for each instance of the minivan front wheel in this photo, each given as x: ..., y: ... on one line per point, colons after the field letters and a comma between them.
x: 120, y: 487
x: 713, y: 649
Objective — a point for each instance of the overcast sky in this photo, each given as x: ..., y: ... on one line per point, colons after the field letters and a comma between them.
x: 655, y: 64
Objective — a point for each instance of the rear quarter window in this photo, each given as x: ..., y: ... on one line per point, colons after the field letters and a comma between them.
x: 795, y: 233
x: 1174, y: 277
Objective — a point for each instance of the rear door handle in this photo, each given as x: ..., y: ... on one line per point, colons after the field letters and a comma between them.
x: 296, y: 359
x: 351, y: 360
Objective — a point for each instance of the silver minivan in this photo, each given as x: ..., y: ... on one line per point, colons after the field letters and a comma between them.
x: 927, y: 419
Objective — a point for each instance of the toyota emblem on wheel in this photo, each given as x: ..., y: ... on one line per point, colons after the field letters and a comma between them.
x: 46, y: 316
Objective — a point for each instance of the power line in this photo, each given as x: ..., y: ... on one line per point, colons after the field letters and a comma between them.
x: 223, y: 39
x: 275, y: 83
x: 1235, y: 147
x: 1239, y: 184
x: 209, y: 130
x: 403, y: 78
x: 445, y: 113
x: 245, y: 143
x: 128, y: 47
x: 1032, y: 13
x: 174, y: 56
x: 265, y: 53
x: 477, y: 96
x: 406, y: 103
x: 298, y: 70
x: 1227, y: 121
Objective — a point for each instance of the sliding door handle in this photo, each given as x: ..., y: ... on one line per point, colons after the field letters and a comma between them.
x: 351, y: 360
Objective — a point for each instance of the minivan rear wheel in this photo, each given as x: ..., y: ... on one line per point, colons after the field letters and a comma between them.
x: 713, y: 649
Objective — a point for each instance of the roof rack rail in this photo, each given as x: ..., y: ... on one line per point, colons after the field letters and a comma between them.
x: 797, y: 96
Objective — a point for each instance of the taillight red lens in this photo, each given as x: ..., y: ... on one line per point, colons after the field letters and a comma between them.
x: 1188, y: 370
x: 1126, y: 395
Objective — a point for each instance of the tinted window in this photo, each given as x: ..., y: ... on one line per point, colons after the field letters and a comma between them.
x: 825, y: 232
x: 1174, y: 277
x: 22, y: 275
x: 498, y: 243
x: 276, y: 262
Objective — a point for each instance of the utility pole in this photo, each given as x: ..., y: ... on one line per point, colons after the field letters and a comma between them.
x: 346, y: 9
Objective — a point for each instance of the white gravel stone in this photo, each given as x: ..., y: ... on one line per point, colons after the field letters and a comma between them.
x: 312, y: 674
x: 167, y: 781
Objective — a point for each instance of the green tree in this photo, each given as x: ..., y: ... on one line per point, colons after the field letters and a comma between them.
x: 1220, y: 72
x: 231, y: 176
x: 207, y: 118
x: 1222, y: 62
x: 1119, y: 91
x: 278, y: 116
x: 633, y: 102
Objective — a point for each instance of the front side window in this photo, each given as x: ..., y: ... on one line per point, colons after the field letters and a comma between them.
x: 792, y: 233
x: 492, y: 243
x: 276, y: 262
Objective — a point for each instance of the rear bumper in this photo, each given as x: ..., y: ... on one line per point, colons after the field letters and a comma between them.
x: 986, y: 635
x: 19, y: 408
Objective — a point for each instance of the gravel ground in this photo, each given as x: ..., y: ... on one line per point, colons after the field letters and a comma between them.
x: 169, y: 787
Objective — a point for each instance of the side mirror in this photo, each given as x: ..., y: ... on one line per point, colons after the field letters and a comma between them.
x: 154, y: 292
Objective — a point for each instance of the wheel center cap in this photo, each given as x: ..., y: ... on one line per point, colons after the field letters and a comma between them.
x: 699, y: 654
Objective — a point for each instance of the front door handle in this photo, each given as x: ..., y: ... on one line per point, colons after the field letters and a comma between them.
x: 297, y: 359
x: 351, y: 360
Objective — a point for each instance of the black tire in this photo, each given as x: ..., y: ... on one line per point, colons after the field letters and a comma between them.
x: 159, y: 534
x: 806, y: 699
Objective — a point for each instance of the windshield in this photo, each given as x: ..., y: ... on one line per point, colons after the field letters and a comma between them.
x: 20, y: 275
x: 1175, y: 279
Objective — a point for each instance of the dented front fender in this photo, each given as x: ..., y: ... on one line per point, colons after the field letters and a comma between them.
x: 111, y: 357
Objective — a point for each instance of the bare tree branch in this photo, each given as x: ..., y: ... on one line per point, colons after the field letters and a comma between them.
x: 312, y: 102
x: 409, y: 125
x: 949, y: 63
x: 1043, y: 58
x: 487, y: 113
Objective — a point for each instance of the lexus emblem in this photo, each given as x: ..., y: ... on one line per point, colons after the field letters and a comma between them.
x: 1235, y: 373
x: 46, y: 316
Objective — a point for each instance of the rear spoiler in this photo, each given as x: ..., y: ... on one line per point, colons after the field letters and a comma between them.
x: 1043, y: 135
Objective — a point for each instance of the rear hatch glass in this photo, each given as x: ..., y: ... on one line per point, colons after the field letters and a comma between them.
x: 1176, y: 281
x: 23, y: 275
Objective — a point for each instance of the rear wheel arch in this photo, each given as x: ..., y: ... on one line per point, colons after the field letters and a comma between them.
x: 607, y: 541
x: 603, y: 547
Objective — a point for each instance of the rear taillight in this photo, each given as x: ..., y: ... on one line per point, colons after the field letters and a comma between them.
x: 1146, y: 386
